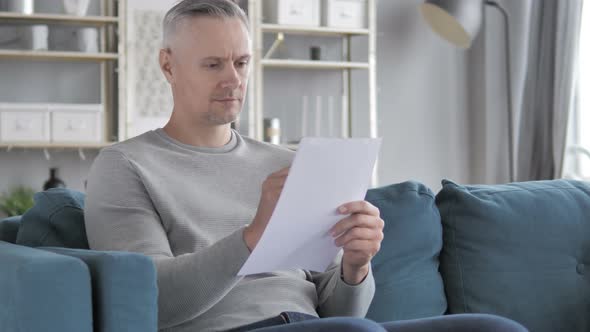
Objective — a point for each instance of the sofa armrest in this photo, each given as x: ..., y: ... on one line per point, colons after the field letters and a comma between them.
x: 43, y: 291
x: 9, y: 229
x: 124, y: 289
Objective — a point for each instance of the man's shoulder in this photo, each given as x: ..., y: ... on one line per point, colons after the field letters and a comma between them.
x: 131, y: 146
x: 267, y: 147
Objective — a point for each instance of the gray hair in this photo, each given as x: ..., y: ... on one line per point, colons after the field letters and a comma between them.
x: 195, y: 8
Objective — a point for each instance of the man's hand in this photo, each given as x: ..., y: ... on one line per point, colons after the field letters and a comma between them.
x: 360, y: 236
x: 271, y: 190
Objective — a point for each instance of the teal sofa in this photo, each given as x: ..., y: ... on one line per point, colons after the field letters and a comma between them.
x: 519, y: 250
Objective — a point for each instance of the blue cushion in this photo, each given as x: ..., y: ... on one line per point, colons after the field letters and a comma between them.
x: 408, y: 284
x: 520, y: 250
x: 124, y: 289
x: 56, y: 220
x: 9, y: 229
x: 43, y: 291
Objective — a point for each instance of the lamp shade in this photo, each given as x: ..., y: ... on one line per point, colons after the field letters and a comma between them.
x: 457, y: 21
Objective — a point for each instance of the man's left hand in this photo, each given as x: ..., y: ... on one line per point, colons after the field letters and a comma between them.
x: 360, y: 236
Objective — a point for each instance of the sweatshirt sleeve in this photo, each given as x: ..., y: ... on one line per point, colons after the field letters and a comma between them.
x: 337, y: 298
x: 119, y: 215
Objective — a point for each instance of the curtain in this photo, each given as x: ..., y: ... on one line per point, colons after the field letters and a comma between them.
x: 548, y: 94
x: 543, y: 38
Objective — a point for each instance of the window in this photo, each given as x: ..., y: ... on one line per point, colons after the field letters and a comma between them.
x: 578, y: 153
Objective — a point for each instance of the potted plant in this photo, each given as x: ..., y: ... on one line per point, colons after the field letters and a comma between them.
x: 17, y: 201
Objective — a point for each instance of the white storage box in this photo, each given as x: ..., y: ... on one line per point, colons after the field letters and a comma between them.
x: 344, y: 13
x: 24, y: 122
x: 76, y: 123
x: 292, y: 12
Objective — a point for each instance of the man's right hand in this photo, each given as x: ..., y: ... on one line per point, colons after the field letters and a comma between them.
x: 271, y: 191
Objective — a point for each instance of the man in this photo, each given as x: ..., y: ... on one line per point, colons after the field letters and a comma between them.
x: 196, y: 196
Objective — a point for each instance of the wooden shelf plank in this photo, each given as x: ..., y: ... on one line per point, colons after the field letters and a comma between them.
x: 56, y: 145
x: 280, y: 63
x: 319, y: 31
x: 58, y: 19
x: 58, y: 55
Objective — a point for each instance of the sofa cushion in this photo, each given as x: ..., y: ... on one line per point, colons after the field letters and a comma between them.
x: 408, y: 284
x: 124, y: 289
x: 56, y: 220
x: 519, y: 250
x: 9, y: 228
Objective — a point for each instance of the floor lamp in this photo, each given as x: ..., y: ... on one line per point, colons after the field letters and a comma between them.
x: 458, y: 21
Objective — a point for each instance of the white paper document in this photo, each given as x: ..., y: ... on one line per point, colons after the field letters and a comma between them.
x: 326, y: 173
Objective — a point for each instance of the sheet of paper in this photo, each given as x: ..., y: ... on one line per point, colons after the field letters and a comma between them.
x: 326, y: 173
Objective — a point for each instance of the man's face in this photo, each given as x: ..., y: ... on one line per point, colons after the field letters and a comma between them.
x: 208, y: 68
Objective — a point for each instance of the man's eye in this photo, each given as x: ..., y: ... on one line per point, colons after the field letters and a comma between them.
x: 242, y: 65
x: 212, y: 65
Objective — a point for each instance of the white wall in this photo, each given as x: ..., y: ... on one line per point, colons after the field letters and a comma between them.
x: 421, y: 103
x: 421, y: 100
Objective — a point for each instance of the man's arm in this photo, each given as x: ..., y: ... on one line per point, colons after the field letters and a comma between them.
x: 119, y: 215
x: 360, y: 235
x: 338, y: 298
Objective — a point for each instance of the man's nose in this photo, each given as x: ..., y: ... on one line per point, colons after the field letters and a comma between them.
x: 231, y: 78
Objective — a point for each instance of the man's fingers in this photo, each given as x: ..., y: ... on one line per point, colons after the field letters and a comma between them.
x: 363, y: 246
x: 357, y: 220
x: 358, y: 233
x: 363, y: 207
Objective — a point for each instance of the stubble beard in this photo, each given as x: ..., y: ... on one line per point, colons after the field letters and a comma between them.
x: 223, y: 116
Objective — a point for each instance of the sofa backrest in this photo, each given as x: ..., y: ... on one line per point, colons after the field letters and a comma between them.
x: 406, y: 268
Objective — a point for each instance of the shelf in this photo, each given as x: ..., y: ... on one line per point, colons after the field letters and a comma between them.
x: 58, y: 19
x: 279, y: 63
x: 47, y: 145
x: 318, y: 31
x: 58, y: 55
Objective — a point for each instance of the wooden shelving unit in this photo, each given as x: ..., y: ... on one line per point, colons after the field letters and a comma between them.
x: 317, y: 31
x: 45, y: 145
x: 57, y: 19
x: 108, y: 24
x: 309, y: 64
x: 262, y: 61
x: 57, y: 55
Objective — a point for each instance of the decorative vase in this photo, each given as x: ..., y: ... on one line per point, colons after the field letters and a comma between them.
x: 76, y: 7
x: 35, y: 37
x: 53, y: 181
x: 88, y: 40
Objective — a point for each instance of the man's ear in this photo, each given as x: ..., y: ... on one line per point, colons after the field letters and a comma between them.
x: 166, y: 65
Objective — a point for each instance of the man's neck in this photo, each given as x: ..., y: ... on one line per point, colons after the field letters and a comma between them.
x: 209, y: 137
